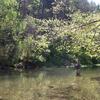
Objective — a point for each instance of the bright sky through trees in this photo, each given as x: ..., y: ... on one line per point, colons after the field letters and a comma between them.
x: 96, y: 1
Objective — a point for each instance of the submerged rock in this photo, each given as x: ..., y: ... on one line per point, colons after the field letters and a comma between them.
x: 96, y: 78
x: 1, y: 98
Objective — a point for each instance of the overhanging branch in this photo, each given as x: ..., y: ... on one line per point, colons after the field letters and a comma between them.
x: 86, y: 24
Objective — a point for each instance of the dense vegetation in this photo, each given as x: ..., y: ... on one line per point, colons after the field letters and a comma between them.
x: 49, y: 32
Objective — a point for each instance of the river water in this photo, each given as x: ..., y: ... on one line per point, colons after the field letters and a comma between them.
x: 16, y: 85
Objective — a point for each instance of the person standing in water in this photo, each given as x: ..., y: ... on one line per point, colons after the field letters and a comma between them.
x: 77, y: 67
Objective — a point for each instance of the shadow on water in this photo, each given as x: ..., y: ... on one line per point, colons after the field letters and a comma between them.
x: 47, y: 72
x: 9, y: 74
x: 15, y: 74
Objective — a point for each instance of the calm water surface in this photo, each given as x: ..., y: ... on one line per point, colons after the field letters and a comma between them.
x: 22, y: 86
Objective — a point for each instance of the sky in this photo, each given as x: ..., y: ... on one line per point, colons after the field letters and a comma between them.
x: 96, y: 1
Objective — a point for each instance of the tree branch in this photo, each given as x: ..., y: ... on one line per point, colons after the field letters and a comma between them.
x: 86, y: 24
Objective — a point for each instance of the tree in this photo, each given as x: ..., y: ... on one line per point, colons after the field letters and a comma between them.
x: 8, y: 22
x: 29, y: 7
x: 82, y: 5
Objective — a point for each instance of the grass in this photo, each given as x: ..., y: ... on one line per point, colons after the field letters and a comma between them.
x: 51, y: 84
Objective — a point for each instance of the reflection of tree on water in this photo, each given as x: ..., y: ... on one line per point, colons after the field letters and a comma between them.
x: 77, y: 67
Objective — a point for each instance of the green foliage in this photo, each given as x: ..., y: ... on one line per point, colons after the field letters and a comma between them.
x: 47, y: 40
x: 8, y: 22
x: 33, y: 49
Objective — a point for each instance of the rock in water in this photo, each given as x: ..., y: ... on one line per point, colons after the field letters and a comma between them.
x: 1, y: 98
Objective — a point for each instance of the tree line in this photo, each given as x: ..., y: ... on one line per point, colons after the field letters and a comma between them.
x: 44, y: 32
x: 61, y: 9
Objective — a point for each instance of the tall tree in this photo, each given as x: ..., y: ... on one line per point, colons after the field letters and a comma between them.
x: 83, y: 5
x: 8, y: 22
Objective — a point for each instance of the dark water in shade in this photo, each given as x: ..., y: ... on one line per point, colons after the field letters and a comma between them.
x: 23, y: 86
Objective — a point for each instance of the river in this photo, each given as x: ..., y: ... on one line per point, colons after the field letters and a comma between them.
x: 31, y: 85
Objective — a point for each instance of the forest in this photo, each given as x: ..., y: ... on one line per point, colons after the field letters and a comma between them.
x: 49, y: 50
x: 39, y: 32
